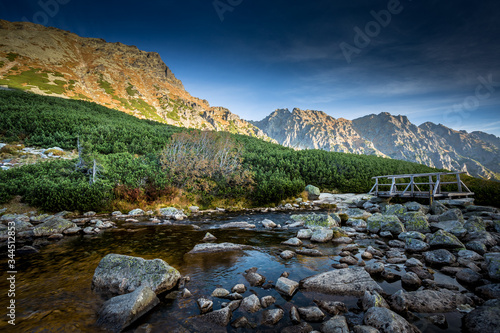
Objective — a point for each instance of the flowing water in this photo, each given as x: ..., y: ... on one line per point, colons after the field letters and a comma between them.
x: 53, y: 287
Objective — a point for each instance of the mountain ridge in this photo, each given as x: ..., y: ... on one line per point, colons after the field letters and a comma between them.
x: 54, y: 62
x: 476, y: 153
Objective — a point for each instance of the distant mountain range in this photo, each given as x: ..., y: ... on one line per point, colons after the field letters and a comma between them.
x: 387, y: 135
x: 55, y: 62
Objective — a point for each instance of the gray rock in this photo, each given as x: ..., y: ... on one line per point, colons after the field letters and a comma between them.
x: 443, y: 239
x: 239, y: 288
x: 438, y: 320
x: 493, y: 265
x: 121, y: 311
x: 468, y: 276
x: 120, y: 274
x: 469, y: 255
x: 438, y: 208
x: 452, y: 215
x: 268, y: 224
x: 304, y: 233
x: 194, y: 209
x: 309, y: 252
x: 439, y: 257
x: 416, y: 221
x: 416, y: 245
x: 234, y: 296
x: 313, y: 192
x: 272, y: 317
x: 349, y: 260
x: 205, y: 305
x: 429, y: 301
x: 186, y: 293
x: 322, y: 235
x: 413, y: 206
x: 337, y: 324
x: 172, y: 213
x: 378, y: 222
x: 489, y: 291
x: 411, y: 279
x: 316, y: 220
x: 411, y: 234
x: 237, y: 225
x: 292, y: 242
x: 54, y: 226
x: 364, y: 329
x: 241, y: 322
x: 311, y: 314
x: 136, y: 212
x: 397, y: 209
x: 375, y: 268
x: 476, y: 246
x: 221, y: 247
x: 254, y: 278
x: 220, y: 317
x: 26, y: 249
x: 286, y: 286
x: 387, y: 321
x: 371, y: 299
x: 250, y: 304
x: 475, y: 224
x: 349, y: 281
x: 267, y: 301
x: 21, y: 225
x: 209, y: 237
x: 287, y: 254
x: 396, y: 243
x: 413, y: 262
x: 300, y: 328
x: 332, y: 307
x: 294, y: 315
x: 485, y: 318
x: 220, y: 292
x: 374, y: 251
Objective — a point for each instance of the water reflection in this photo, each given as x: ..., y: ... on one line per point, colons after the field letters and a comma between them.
x: 53, y: 286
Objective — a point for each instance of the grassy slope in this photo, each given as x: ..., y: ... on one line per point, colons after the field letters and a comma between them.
x: 116, y: 137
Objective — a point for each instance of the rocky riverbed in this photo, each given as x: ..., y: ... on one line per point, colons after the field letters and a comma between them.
x: 364, y: 266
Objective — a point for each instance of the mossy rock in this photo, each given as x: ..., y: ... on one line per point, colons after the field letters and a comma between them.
x: 12, y: 149
x: 493, y: 265
x: 379, y: 222
x: 312, y: 192
x: 55, y: 152
x: 397, y: 209
x: 120, y: 274
x: 53, y: 226
x: 444, y: 239
x: 316, y: 220
x: 416, y: 221
x: 475, y: 224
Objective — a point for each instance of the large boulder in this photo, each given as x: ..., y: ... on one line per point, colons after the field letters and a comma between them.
x: 120, y: 274
x: 485, y: 318
x: 388, y: 321
x: 378, y: 223
x: 429, y: 301
x: 416, y: 221
x: 221, y: 247
x: 348, y: 281
x: 53, y: 226
x: 312, y: 192
x: 443, y: 239
x: 121, y: 311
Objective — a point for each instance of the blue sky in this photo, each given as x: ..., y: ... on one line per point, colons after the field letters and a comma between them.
x: 434, y: 60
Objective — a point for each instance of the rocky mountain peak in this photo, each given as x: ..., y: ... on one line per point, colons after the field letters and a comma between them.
x: 55, y: 62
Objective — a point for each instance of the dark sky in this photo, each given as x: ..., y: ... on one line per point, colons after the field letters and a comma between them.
x: 430, y: 60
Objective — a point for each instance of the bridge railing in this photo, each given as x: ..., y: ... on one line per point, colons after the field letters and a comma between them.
x: 433, y: 187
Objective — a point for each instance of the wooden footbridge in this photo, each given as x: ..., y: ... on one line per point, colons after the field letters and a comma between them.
x: 422, y: 185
